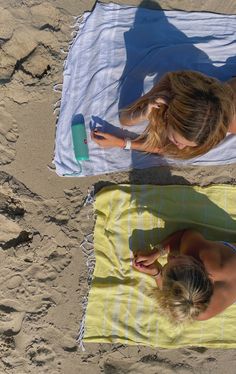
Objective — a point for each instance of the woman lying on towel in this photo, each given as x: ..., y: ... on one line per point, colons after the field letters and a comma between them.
x: 188, y: 113
x: 199, y: 279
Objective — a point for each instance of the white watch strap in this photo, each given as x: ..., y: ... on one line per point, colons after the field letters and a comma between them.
x: 127, y: 144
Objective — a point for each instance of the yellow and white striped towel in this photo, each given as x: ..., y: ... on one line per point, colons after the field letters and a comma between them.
x: 122, y: 306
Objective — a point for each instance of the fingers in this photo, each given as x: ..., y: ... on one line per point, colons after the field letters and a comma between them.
x: 99, y: 138
x: 150, y: 270
x: 96, y: 135
x: 104, y: 135
x: 141, y: 264
x: 140, y: 267
x: 156, y: 104
x: 145, y: 262
x: 145, y: 259
x: 95, y: 139
x: 103, y: 139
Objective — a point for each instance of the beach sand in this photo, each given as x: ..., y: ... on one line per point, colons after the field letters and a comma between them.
x: 44, y: 219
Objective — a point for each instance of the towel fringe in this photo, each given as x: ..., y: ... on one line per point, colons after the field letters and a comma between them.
x: 88, y: 251
x: 57, y: 106
x: 77, y: 22
x: 63, y: 51
x: 89, y: 199
x: 57, y: 87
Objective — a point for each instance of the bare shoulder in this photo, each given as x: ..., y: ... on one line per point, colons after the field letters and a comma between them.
x: 191, y: 236
x: 191, y: 243
x: 208, y: 252
x: 211, y: 257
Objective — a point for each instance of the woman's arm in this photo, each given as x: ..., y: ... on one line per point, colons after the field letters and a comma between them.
x: 147, y: 262
x: 171, y: 243
x: 106, y: 140
x: 149, y: 266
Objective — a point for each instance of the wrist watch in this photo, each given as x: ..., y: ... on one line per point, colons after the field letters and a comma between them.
x: 127, y: 145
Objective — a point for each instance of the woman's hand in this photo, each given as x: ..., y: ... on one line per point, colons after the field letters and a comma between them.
x: 105, y: 140
x: 146, y: 263
x: 146, y: 259
x: 154, y: 104
x: 151, y: 269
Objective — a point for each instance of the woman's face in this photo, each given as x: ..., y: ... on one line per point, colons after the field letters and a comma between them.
x: 179, y: 140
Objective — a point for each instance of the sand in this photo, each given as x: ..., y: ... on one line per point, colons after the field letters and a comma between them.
x: 43, y: 217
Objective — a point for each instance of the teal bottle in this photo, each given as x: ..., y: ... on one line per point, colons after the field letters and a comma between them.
x: 80, y: 145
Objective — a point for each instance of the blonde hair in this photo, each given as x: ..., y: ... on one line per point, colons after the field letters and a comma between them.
x: 197, y: 107
x: 186, y: 290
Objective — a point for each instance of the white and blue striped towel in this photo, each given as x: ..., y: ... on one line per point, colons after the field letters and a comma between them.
x: 118, y: 54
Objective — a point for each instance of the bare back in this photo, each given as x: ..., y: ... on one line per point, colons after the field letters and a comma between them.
x: 220, y: 262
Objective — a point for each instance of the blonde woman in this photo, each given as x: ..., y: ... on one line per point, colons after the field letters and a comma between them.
x: 188, y: 113
x: 199, y: 279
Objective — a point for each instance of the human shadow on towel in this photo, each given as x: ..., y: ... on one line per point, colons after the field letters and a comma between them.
x: 160, y: 48
x: 206, y: 217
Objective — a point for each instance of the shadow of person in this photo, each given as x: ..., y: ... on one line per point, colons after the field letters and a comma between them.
x: 155, y: 46
x: 161, y: 210
x: 105, y: 126
x: 149, y: 44
x: 173, y: 208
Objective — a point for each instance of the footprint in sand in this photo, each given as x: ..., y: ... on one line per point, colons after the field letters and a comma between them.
x: 11, y: 317
x: 40, y: 353
x: 8, y: 137
x: 116, y: 363
x: 59, y: 259
x: 7, y: 345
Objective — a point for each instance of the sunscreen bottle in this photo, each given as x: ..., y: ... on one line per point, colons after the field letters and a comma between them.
x: 80, y: 145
